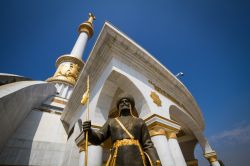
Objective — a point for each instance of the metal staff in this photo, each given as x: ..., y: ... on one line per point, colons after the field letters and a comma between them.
x: 85, y: 99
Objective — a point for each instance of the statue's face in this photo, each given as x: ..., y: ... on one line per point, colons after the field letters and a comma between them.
x: 124, y: 104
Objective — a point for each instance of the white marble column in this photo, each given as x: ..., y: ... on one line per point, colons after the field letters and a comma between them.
x: 209, y: 153
x: 69, y: 66
x: 175, y: 149
x: 157, y: 126
x: 160, y: 141
x: 85, y: 32
x: 80, y: 45
x: 215, y: 163
x: 94, y: 156
x: 81, y: 158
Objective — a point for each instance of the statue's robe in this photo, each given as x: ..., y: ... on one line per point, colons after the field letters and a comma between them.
x: 127, y: 155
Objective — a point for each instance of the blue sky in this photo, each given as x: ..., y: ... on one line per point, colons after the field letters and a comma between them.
x: 208, y: 40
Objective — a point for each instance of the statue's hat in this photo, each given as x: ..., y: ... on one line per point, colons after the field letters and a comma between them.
x: 115, y: 111
x: 128, y: 97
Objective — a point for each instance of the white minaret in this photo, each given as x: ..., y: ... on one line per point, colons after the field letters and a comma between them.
x: 69, y: 66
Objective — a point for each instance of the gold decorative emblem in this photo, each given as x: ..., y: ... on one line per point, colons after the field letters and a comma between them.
x: 68, y: 70
x: 156, y: 99
x: 66, y: 73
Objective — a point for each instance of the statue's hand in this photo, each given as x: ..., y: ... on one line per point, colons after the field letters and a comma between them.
x: 86, y: 126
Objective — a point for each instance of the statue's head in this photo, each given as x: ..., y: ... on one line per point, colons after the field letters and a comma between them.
x: 125, y: 103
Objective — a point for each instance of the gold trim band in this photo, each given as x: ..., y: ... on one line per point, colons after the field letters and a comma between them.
x: 154, y: 132
x: 59, y: 101
x: 69, y: 58
x: 87, y: 26
x: 171, y: 135
x: 192, y: 162
x: 211, y: 157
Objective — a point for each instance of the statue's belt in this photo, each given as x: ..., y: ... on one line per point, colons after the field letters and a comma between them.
x: 125, y: 142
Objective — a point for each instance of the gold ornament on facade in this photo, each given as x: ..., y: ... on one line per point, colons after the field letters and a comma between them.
x: 170, y: 97
x: 69, y: 72
x: 156, y: 99
x: 157, y: 131
x: 171, y: 135
x: 162, y: 92
x: 87, y: 26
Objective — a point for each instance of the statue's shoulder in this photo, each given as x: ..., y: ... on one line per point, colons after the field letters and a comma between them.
x: 139, y: 120
x: 110, y: 119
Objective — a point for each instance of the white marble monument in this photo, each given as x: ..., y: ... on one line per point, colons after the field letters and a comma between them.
x: 47, y: 132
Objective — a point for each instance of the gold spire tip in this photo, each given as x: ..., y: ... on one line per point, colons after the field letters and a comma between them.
x: 87, y: 26
x: 91, y: 18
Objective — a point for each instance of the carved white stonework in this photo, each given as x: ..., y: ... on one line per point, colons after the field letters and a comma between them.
x: 63, y: 90
x: 166, y: 124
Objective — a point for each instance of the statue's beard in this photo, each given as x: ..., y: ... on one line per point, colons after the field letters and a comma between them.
x: 125, y: 112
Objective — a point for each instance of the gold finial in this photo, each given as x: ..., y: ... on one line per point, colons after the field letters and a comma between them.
x: 87, y: 26
x: 91, y: 18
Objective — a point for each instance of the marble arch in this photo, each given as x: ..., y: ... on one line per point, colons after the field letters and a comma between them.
x: 116, y: 84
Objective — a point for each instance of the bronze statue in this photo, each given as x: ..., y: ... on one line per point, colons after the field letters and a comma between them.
x: 131, y: 142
